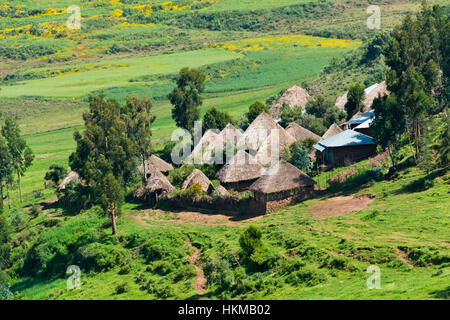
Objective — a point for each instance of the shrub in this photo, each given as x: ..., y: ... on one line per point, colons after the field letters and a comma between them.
x: 122, y: 288
x: 424, y: 256
x: 250, y: 240
x: 264, y: 258
x: 101, y: 257
x: 308, y: 277
x: 185, y: 272
x: 218, y: 272
x: 196, y: 189
x: 35, y: 210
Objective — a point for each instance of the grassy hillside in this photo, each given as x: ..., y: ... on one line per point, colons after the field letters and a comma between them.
x: 329, y: 253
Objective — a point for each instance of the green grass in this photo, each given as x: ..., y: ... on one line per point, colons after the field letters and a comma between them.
x: 361, y: 239
x: 79, y: 84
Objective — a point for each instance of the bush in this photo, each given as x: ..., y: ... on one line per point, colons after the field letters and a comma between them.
x: 101, y: 257
x: 218, y: 272
x: 308, y: 277
x: 250, y: 240
x: 122, y: 288
x: 35, y: 210
x: 264, y: 258
x: 196, y: 189
x: 185, y: 272
x: 424, y: 256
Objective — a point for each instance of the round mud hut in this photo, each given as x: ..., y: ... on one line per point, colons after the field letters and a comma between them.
x: 240, y: 172
x: 198, y: 177
x: 154, y: 164
x: 157, y: 186
x: 71, y: 176
x: 281, y: 185
x: 300, y: 133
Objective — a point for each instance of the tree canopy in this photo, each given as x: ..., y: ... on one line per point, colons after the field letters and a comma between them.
x: 186, y: 97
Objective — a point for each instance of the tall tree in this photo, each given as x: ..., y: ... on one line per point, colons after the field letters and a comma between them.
x: 139, y: 124
x: 186, y: 97
x: 255, y: 109
x: 215, y: 119
x: 21, y: 154
x: 5, y: 246
x: 105, y: 156
x: 5, y: 167
x: 355, y: 98
x: 416, y: 56
x: 56, y: 173
x: 389, y: 123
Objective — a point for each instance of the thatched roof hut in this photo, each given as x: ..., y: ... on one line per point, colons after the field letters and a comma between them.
x: 209, y: 145
x: 272, y: 148
x: 332, y: 130
x: 155, y: 163
x: 230, y: 133
x: 341, y: 101
x: 371, y: 93
x: 258, y: 131
x: 221, y: 191
x: 379, y: 89
x: 198, y: 177
x: 294, y: 96
x: 158, y: 183
x: 280, y: 181
x: 240, y: 172
x: 71, y: 176
x: 300, y: 133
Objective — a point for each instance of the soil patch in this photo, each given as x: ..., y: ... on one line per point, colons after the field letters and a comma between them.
x: 339, y: 206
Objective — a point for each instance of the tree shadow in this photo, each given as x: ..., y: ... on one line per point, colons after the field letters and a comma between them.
x: 441, y: 294
x: 421, y: 184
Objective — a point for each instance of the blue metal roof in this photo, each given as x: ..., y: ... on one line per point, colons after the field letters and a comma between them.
x: 363, y: 118
x: 344, y: 139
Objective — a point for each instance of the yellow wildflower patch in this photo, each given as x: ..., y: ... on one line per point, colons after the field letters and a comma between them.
x: 278, y: 42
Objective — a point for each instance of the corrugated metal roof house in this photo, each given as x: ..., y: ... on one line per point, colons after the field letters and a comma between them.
x: 344, y: 148
x: 352, y: 123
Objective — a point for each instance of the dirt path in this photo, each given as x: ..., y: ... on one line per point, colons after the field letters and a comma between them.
x: 402, y: 255
x: 189, y: 217
x: 200, y: 280
x: 339, y: 206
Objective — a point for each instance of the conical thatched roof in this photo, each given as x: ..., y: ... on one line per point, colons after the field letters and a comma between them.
x: 157, y: 182
x: 371, y: 93
x: 282, y: 176
x: 221, y: 191
x: 206, y: 148
x: 374, y: 92
x: 258, y: 131
x: 332, y: 130
x: 294, y: 96
x: 242, y: 167
x: 230, y: 133
x: 155, y: 163
x: 300, y: 133
x: 197, y: 177
x: 71, y: 176
x: 341, y: 101
x: 277, y: 142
